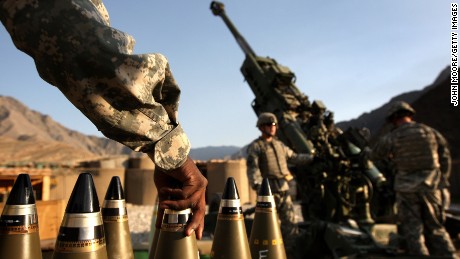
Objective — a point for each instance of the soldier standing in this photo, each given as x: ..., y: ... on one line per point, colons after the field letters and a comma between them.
x: 268, y: 158
x: 422, y: 164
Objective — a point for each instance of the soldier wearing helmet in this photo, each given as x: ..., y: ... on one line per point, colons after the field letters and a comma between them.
x: 398, y: 110
x: 422, y: 164
x: 266, y: 118
x: 268, y: 158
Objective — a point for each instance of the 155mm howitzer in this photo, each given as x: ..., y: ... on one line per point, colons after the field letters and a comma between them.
x: 342, y: 184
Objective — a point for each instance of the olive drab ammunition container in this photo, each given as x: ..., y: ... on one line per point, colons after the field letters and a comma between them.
x: 172, y: 241
x: 230, y: 239
x: 19, y: 237
x: 326, y: 186
x: 115, y: 218
x: 266, y: 240
x: 81, y: 235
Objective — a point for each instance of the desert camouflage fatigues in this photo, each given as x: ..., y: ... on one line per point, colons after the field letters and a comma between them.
x: 270, y: 160
x: 132, y: 99
x: 422, y: 162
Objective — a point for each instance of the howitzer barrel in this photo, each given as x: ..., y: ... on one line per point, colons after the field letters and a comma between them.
x: 218, y: 10
x: 274, y: 89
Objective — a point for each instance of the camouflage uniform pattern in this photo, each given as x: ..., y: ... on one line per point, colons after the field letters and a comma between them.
x: 419, y: 213
x: 269, y: 160
x: 422, y: 162
x: 132, y: 99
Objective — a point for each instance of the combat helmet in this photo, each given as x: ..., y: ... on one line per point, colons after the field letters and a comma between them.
x: 399, y: 109
x: 266, y: 118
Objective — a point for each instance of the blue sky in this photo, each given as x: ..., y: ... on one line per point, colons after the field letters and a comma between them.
x: 353, y: 55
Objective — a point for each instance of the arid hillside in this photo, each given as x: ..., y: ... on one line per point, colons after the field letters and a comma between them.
x: 29, y: 136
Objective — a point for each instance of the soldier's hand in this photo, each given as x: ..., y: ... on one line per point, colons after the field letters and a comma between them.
x: 186, y: 186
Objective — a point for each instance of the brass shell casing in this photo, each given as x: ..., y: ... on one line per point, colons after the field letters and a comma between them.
x: 20, y: 241
x: 84, y: 237
x: 116, y: 228
x: 172, y: 241
x: 266, y: 240
x: 230, y: 236
x: 153, y: 246
x: 230, y: 239
x: 118, y: 240
x: 173, y: 244
x: 98, y: 254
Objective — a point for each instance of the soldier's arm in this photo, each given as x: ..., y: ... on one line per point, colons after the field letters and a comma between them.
x: 132, y: 99
x: 297, y: 158
x: 445, y: 159
x: 382, y: 149
x: 252, y: 165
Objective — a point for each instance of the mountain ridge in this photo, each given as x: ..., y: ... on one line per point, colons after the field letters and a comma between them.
x: 32, y: 129
x: 28, y: 135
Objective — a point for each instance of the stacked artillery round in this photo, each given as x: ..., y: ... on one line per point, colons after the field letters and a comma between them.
x: 81, y: 235
x: 19, y: 237
x: 115, y: 218
x: 230, y: 238
x: 89, y: 232
x: 172, y: 241
x: 266, y: 240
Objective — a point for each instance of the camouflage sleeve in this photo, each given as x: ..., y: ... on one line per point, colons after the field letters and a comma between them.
x: 445, y: 159
x: 382, y: 148
x: 252, y: 164
x: 132, y: 99
x: 296, y: 159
